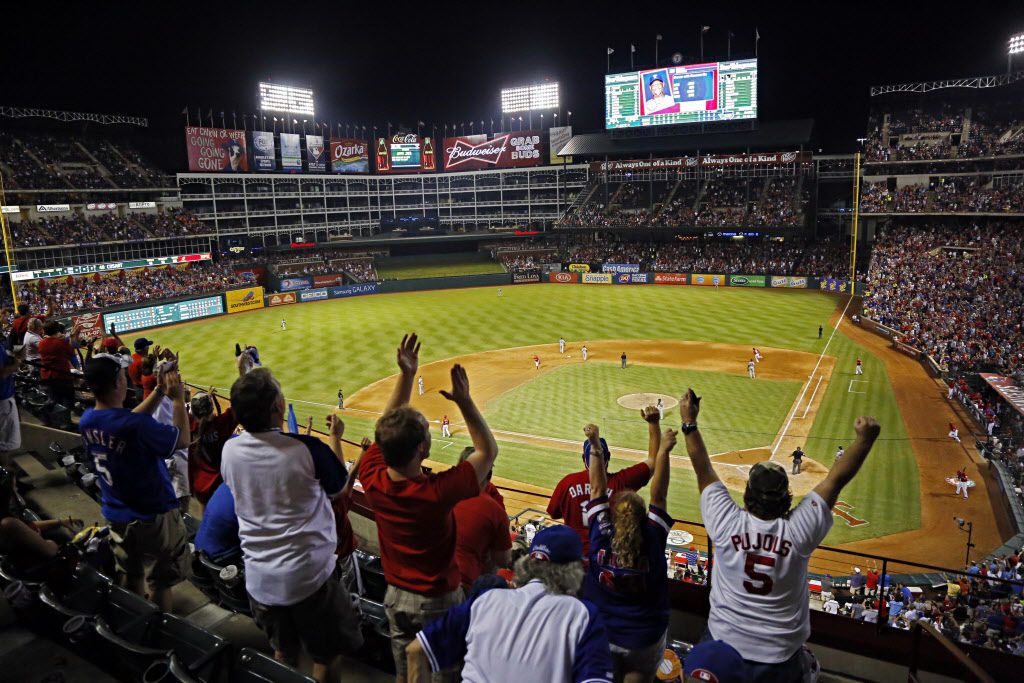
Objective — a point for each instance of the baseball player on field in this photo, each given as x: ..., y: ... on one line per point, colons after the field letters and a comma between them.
x: 961, y: 482
x: 584, y: 352
x: 750, y: 369
x: 661, y: 410
x: 341, y: 400
x: 561, y: 345
x: 419, y: 384
x: 757, y: 355
x: 536, y: 362
x: 446, y: 427
x: 954, y: 433
x: 859, y: 370
x: 840, y: 453
x: 284, y: 324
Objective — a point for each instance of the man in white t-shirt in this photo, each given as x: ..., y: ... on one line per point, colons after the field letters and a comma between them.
x: 759, y: 583
x: 831, y: 606
x: 283, y: 485
x: 33, y: 335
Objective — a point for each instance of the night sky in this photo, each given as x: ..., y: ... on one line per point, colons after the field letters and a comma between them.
x: 373, y: 63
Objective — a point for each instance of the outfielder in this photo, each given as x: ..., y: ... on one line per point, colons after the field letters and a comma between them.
x: 284, y: 324
x: 840, y: 453
x: 961, y: 482
x: 419, y: 384
x: 757, y: 355
x: 341, y: 400
x: 536, y: 362
x: 445, y: 427
x: 661, y: 410
x: 954, y: 433
x: 859, y: 370
x: 750, y: 369
x: 561, y: 345
x: 584, y: 352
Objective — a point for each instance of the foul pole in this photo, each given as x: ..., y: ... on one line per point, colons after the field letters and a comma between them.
x: 856, y: 217
x: 8, y: 246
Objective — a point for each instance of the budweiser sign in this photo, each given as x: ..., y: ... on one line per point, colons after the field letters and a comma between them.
x: 507, y: 150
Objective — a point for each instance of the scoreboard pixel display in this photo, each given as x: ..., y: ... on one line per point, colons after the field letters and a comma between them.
x: 154, y: 316
x: 671, y: 95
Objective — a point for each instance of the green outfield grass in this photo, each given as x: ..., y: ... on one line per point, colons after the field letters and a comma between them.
x: 587, y: 392
x: 350, y: 343
x: 441, y: 265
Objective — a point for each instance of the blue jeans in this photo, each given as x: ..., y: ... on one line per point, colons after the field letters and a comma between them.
x: 789, y: 671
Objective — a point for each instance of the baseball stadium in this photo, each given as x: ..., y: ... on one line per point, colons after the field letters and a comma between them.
x: 255, y: 350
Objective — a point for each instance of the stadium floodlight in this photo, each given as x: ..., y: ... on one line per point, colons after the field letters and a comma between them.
x: 1016, y: 44
x: 286, y: 98
x: 529, y: 98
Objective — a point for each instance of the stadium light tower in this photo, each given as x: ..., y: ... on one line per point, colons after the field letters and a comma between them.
x: 287, y: 99
x: 1014, y: 46
x: 529, y: 98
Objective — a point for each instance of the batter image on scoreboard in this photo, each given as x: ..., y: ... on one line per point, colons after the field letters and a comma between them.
x: 656, y: 95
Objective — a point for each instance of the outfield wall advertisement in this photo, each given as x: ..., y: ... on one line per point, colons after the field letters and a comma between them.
x: 579, y: 268
x: 597, y: 278
x: 634, y: 278
x: 291, y: 284
x: 706, y: 280
x: 671, y: 278
x: 620, y: 268
x: 831, y: 284
x: 281, y: 299
x: 313, y: 294
x: 564, y: 278
x: 244, y: 299
x: 747, y: 281
x: 328, y: 280
x: 788, y: 281
x: 216, y: 150
x: 526, y: 277
x: 353, y: 290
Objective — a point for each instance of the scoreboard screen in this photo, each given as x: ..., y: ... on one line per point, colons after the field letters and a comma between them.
x: 669, y: 95
x: 153, y: 316
x: 405, y: 155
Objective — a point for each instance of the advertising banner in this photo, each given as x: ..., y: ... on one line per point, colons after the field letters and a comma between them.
x: 710, y: 161
x: 280, y: 299
x: 291, y: 284
x: 263, y: 151
x: 349, y: 156
x: 671, y: 278
x: 312, y: 294
x: 706, y: 280
x: 831, y: 284
x: 507, y: 150
x: 316, y: 158
x: 563, y: 278
x: 597, y: 278
x: 10, y: 209
x: 786, y: 281
x: 53, y: 208
x: 141, y: 205
x: 327, y: 280
x: 620, y: 268
x: 634, y: 278
x: 244, y: 299
x: 353, y: 290
x: 579, y: 268
x: 747, y: 280
x: 526, y: 277
x: 216, y: 150
x: 405, y: 153
x: 100, y: 206
x: 291, y: 153
x: 558, y: 137
x: 1007, y: 388
x: 90, y: 325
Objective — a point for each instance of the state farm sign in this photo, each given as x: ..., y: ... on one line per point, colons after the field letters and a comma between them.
x: 508, y: 150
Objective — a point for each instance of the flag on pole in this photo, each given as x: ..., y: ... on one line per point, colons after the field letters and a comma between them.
x: 293, y: 422
x: 632, y: 51
x: 611, y: 51
x: 705, y: 29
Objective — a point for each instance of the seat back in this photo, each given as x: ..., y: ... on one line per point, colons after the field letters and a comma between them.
x: 251, y: 666
x: 199, y: 651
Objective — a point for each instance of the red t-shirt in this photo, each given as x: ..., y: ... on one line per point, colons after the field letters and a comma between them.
x: 415, y: 523
x: 492, y: 491
x: 872, y: 580
x: 204, y: 463
x: 55, y: 355
x: 148, y: 384
x: 574, y: 491
x: 135, y: 369
x: 346, y: 539
x: 481, y: 527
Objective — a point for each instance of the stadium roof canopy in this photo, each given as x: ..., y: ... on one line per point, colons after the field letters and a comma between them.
x: 771, y: 135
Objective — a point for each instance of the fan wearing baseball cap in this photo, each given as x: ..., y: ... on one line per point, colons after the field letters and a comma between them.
x: 564, y: 636
x: 715, y: 661
x: 128, y: 448
x: 759, y: 585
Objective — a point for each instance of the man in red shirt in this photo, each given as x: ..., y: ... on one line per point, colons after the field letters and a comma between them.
x: 55, y: 354
x: 573, y: 492
x: 20, y: 324
x: 413, y: 509
x: 141, y: 351
x: 209, y: 434
x: 483, y: 543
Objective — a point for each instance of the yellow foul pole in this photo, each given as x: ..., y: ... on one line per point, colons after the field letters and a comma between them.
x: 8, y: 247
x: 856, y: 217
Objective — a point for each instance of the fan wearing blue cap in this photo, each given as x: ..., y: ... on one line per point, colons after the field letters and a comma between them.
x: 759, y: 592
x: 572, y: 493
x: 565, y: 636
x: 715, y: 661
x: 627, y: 576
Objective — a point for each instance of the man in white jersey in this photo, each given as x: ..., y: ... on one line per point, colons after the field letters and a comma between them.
x: 561, y: 345
x: 759, y: 584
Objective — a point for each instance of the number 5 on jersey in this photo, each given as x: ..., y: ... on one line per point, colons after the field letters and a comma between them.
x: 761, y: 583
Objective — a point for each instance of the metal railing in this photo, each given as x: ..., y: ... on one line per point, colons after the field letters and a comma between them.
x: 920, y: 627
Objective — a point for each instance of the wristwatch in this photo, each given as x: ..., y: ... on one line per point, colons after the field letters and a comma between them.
x: 688, y: 427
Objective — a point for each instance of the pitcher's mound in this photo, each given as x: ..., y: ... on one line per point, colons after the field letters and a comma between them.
x: 638, y: 401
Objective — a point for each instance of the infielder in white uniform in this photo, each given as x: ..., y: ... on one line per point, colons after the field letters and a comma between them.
x: 661, y: 410
x: 284, y: 324
x: 750, y: 369
x: 961, y: 483
x: 419, y: 384
x: 561, y: 345
x: 584, y: 352
x: 759, y: 592
x: 757, y: 355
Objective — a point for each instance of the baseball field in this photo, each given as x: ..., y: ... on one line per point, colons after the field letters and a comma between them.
x: 805, y: 392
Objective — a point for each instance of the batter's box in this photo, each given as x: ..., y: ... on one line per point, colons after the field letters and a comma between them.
x: 853, y: 389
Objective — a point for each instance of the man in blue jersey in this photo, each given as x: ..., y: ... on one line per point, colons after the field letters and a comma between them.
x: 128, y: 448
x: 565, y: 636
x: 10, y: 422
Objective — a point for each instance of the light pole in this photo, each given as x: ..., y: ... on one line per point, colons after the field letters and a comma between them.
x: 969, y: 530
x: 1015, y: 45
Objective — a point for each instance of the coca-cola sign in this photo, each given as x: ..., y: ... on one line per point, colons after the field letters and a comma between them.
x: 507, y: 150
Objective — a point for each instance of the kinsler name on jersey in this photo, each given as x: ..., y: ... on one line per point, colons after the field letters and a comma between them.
x: 768, y: 543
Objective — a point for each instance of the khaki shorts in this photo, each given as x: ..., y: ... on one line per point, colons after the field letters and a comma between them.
x: 326, y: 622
x: 408, y: 613
x: 161, y: 543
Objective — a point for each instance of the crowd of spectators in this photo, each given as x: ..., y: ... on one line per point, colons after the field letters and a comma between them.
x: 955, y: 194
x: 359, y: 269
x: 954, y: 291
x: 77, y: 294
x: 103, y: 227
x: 171, y: 223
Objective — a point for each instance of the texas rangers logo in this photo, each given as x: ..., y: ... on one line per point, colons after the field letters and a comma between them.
x: 842, y: 511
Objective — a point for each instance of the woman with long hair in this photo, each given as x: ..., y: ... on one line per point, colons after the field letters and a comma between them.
x: 627, y: 576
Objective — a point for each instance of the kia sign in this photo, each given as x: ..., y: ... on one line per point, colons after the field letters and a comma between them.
x: 508, y: 150
x: 564, y: 278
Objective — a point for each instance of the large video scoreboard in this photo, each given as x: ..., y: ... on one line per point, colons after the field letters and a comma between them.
x: 154, y: 316
x: 696, y: 93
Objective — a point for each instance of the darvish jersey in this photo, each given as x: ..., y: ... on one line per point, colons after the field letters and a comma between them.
x: 759, y: 583
x: 572, y: 495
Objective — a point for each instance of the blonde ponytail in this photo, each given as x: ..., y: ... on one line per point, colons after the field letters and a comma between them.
x: 628, y: 516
